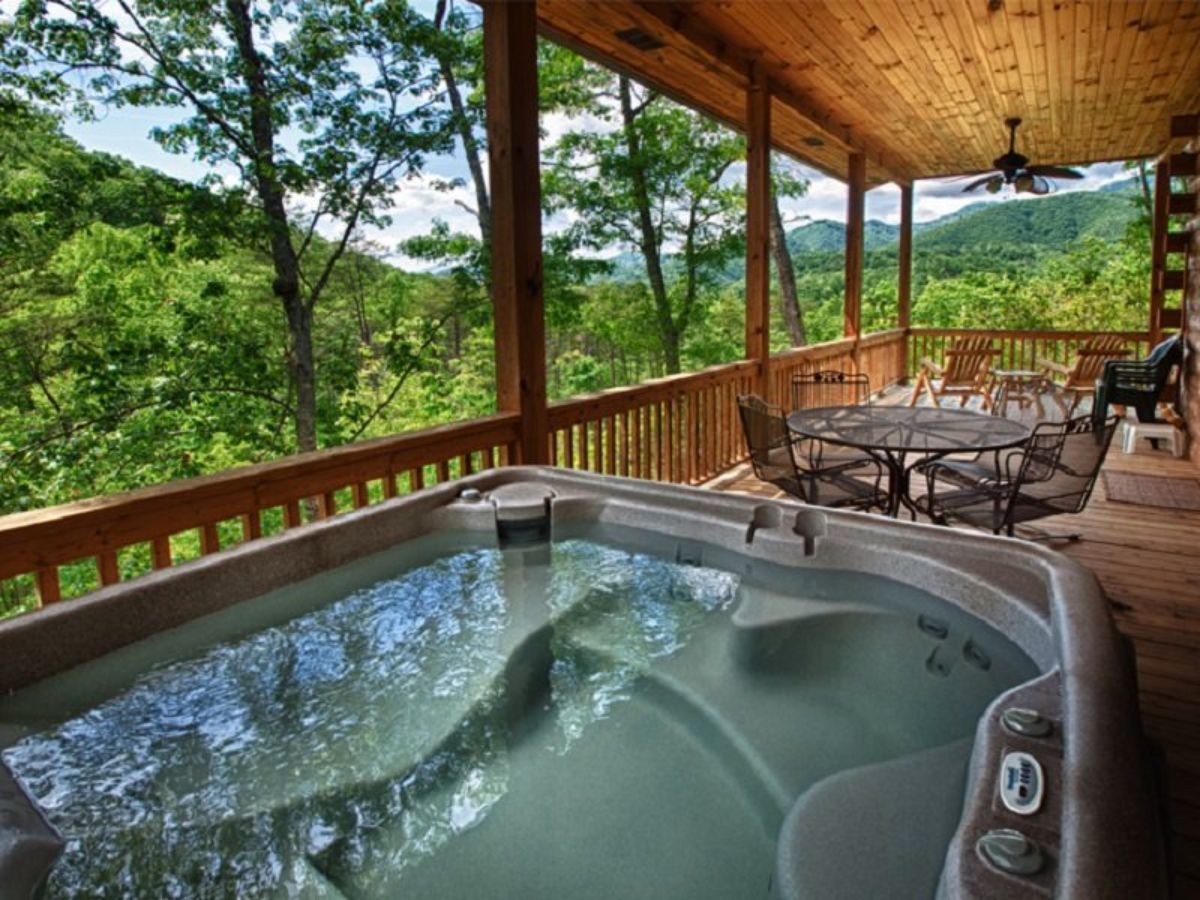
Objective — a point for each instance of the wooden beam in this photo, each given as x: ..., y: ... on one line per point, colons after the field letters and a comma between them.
x: 1158, y: 247
x: 855, y: 194
x: 904, y: 270
x: 1186, y: 126
x: 758, y: 234
x: 904, y: 262
x: 510, y: 68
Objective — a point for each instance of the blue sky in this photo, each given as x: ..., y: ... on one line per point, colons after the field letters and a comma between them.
x: 125, y: 132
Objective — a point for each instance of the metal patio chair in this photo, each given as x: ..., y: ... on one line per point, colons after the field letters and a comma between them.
x: 830, y: 388
x: 964, y: 374
x: 1079, y: 378
x: 1053, y: 476
x: 796, y: 467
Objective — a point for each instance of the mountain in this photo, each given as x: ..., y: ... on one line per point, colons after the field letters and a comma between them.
x: 1050, y: 222
x: 1047, y: 223
x: 827, y: 235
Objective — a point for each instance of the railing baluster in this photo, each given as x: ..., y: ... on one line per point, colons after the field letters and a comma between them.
x: 210, y: 540
x: 160, y: 552
x: 48, y: 589
x: 251, y: 526
x: 360, y: 494
x: 106, y: 567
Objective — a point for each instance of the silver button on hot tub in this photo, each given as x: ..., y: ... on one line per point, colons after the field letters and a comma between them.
x: 1011, y: 851
x: 1025, y: 722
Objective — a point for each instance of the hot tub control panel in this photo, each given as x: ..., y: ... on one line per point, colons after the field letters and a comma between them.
x: 1022, y: 783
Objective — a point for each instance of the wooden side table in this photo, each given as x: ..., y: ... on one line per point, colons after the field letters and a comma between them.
x: 1020, y: 385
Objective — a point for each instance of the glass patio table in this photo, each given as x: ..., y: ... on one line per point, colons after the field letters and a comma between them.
x: 891, y: 434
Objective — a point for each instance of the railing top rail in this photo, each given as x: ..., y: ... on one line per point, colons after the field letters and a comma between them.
x: 1028, y: 333
x: 666, y: 384
x: 59, y: 534
x: 833, y: 348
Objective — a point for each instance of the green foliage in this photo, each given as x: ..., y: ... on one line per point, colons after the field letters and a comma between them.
x: 647, y: 173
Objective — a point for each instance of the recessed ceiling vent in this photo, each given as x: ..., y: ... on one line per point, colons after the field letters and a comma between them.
x: 813, y: 141
x: 635, y: 37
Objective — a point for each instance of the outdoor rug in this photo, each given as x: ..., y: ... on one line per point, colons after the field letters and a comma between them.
x: 1152, y: 490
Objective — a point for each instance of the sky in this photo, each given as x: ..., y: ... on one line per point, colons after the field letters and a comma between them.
x: 125, y: 132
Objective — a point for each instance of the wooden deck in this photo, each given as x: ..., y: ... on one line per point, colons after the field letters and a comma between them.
x: 1148, y: 560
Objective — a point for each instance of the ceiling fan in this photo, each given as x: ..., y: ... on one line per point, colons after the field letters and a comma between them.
x: 1015, y: 170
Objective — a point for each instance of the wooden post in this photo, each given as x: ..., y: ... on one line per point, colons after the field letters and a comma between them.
x: 510, y: 66
x: 856, y: 191
x: 758, y: 234
x: 1158, y: 246
x: 904, y: 271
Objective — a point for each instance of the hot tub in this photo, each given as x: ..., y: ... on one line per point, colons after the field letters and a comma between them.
x: 534, y: 683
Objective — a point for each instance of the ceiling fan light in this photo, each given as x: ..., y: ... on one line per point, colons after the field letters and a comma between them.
x: 1023, y: 183
x: 993, y: 186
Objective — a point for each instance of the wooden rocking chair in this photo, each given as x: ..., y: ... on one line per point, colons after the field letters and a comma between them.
x: 1079, y: 378
x: 964, y: 373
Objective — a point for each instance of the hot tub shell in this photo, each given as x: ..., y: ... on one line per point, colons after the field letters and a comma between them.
x: 1097, y: 827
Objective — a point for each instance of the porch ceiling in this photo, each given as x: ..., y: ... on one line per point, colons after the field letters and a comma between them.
x: 921, y: 87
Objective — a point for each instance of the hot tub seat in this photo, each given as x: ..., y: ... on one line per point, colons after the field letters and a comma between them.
x: 853, y: 836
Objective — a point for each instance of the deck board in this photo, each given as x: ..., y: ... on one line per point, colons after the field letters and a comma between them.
x: 1148, y: 560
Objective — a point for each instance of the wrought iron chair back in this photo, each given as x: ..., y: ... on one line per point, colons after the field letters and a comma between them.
x: 1059, y: 468
x: 798, y: 466
x: 770, y: 444
x: 830, y: 388
x: 1053, y: 475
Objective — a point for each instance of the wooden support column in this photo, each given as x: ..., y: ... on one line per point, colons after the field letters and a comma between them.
x: 758, y: 231
x: 856, y: 192
x: 904, y: 270
x: 510, y: 66
x: 1159, y: 226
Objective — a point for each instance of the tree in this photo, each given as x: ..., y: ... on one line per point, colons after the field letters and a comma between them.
x: 320, y: 109
x: 786, y: 182
x: 652, y: 176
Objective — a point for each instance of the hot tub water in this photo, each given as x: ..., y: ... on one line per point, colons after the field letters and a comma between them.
x: 588, y: 719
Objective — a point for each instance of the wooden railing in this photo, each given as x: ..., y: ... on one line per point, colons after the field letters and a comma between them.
x: 880, y: 356
x: 305, y: 486
x: 683, y: 429
x: 1018, y: 349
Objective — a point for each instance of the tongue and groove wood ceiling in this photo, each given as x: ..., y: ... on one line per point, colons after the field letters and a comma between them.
x: 920, y: 87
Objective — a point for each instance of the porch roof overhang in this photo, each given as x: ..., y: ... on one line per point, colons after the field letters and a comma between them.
x: 921, y: 88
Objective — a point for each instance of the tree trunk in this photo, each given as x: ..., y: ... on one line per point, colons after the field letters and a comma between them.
x: 286, y: 286
x: 670, y: 342
x: 466, y: 134
x: 649, y: 241
x: 483, y: 205
x: 789, y: 304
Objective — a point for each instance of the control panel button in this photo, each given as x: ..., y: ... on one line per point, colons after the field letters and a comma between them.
x: 1025, y: 722
x: 1022, y: 783
x: 1011, y: 851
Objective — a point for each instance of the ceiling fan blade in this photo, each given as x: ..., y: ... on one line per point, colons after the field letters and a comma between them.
x: 1054, y: 172
x: 980, y: 182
